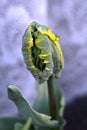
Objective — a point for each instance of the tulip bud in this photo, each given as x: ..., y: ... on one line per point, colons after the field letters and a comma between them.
x: 42, y: 53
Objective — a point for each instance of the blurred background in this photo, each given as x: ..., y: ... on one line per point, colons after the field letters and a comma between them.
x: 67, y: 18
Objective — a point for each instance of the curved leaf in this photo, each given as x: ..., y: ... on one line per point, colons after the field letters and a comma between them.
x: 26, y: 126
x: 18, y: 126
x: 41, y: 103
x: 42, y: 98
x: 26, y: 111
x: 8, y: 123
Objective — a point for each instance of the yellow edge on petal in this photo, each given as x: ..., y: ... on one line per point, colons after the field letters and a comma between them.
x: 30, y: 40
x: 46, y: 62
x: 47, y: 68
x: 38, y: 40
x: 60, y: 52
x: 43, y: 55
x: 55, y: 40
x: 32, y: 67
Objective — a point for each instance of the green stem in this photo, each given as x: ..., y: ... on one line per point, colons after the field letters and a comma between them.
x: 52, y: 99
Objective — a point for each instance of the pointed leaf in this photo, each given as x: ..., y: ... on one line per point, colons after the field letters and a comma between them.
x: 59, y: 97
x: 41, y: 103
x: 26, y: 111
x: 42, y: 98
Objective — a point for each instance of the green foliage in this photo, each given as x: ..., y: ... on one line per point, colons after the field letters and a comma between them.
x: 43, y: 57
x: 26, y: 126
x: 41, y: 103
x: 8, y: 123
x: 26, y: 111
x: 31, y: 119
x: 42, y: 100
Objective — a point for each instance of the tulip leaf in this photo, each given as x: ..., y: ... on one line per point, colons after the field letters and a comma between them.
x: 26, y: 126
x: 26, y: 111
x: 8, y: 123
x: 41, y: 103
x: 18, y: 126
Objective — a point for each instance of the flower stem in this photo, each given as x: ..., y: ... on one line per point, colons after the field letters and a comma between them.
x: 52, y: 99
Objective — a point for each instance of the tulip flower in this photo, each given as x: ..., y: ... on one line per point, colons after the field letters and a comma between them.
x: 42, y: 52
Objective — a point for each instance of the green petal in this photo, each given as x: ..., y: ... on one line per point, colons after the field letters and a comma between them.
x: 40, y: 44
